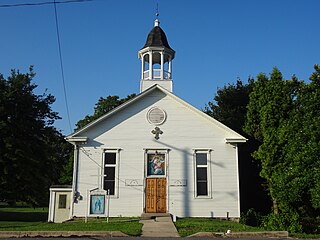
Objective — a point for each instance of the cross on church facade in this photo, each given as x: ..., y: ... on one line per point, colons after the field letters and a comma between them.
x: 156, y: 132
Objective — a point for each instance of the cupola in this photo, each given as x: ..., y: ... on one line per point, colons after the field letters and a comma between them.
x: 156, y: 60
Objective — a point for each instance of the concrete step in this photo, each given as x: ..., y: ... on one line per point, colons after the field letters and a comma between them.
x: 163, y: 219
x: 146, y: 216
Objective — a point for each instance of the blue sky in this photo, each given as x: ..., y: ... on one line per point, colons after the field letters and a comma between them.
x: 216, y: 42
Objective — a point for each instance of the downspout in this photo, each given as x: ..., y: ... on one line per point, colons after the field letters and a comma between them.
x: 238, y: 179
x: 75, y: 178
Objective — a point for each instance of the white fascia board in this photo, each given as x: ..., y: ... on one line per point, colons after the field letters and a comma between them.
x: 206, y: 116
x: 113, y: 111
x: 60, y: 189
x: 147, y: 91
x: 236, y: 140
x: 148, y: 49
x: 154, y: 48
x: 76, y: 139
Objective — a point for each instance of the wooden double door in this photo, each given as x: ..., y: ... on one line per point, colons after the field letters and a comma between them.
x: 156, y: 195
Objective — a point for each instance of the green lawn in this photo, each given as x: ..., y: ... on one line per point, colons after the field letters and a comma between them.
x: 23, y: 214
x: 29, y: 219
x: 131, y: 228
x: 304, y: 235
x: 188, y: 226
x: 35, y: 219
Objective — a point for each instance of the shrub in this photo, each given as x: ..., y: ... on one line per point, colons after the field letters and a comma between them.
x: 283, y: 222
x: 251, y: 218
x: 311, y: 225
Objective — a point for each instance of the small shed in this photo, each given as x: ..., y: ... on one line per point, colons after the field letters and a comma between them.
x: 60, y: 203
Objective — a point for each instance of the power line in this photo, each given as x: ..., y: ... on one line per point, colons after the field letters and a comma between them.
x: 42, y: 3
x: 58, y: 39
x: 61, y: 65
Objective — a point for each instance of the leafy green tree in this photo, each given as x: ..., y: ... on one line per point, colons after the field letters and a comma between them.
x: 103, y: 106
x: 230, y: 108
x: 66, y: 176
x: 230, y: 104
x: 32, y: 150
x: 271, y: 105
x: 312, y: 103
x: 301, y: 135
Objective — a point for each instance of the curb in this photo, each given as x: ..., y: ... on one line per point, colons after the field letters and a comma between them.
x: 273, y: 234
x: 20, y: 234
x: 108, y: 234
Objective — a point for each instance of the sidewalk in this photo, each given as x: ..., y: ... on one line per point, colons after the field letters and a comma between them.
x: 159, y: 227
x: 251, y: 235
x: 65, y: 234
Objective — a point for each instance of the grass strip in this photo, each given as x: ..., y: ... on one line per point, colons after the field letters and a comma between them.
x: 132, y: 228
x: 35, y: 219
x: 189, y: 226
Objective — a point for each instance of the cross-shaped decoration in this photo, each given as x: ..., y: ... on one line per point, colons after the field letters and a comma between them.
x: 156, y: 132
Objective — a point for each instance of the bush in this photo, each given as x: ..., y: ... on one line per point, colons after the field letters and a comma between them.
x: 311, y: 225
x: 283, y: 222
x: 251, y: 218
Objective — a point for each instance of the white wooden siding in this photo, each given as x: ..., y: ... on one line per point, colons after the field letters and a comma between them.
x: 183, y: 131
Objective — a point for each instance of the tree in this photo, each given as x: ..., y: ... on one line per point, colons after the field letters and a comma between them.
x: 312, y: 103
x: 66, y: 176
x: 230, y: 108
x: 270, y: 107
x: 103, y: 106
x: 231, y: 104
x: 301, y: 134
x: 32, y: 150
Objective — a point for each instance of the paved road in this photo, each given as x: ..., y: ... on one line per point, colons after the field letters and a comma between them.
x: 146, y: 238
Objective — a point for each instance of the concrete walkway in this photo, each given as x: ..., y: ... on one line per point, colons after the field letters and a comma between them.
x: 159, y: 227
x: 64, y: 234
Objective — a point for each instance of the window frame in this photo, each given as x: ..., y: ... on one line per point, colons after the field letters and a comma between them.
x: 208, y: 167
x: 62, y: 204
x: 116, y: 173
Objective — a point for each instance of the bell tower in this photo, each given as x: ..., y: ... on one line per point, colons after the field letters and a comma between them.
x: 156, y: 60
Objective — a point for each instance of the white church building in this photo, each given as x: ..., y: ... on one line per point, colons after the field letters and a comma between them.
x: 155, y: 153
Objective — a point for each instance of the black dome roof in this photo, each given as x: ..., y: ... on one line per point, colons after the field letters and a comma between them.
x: 157, y: 38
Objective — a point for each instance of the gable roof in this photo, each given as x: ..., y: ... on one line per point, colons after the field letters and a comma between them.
x: 236, y: 137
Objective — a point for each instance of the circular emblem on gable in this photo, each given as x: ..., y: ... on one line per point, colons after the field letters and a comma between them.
x: 156, y: 116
